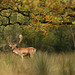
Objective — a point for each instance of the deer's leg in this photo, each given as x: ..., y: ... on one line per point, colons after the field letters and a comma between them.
x: 22, y: 57
x: 31, y: 55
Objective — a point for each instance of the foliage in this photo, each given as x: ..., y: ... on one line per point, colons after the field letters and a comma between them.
x: 54, y: 40
x: 43, y: 23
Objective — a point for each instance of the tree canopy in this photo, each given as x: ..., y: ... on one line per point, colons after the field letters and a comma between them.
x: 39, y: 20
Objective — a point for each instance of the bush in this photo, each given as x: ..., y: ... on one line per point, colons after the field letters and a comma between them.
x: 54, y: 40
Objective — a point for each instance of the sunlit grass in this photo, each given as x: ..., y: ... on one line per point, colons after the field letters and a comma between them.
x: 41, y: 64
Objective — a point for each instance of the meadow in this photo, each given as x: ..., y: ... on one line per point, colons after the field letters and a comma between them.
x: 42, y: 63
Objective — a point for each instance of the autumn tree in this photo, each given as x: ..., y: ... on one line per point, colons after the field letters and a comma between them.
x: 37, y: 18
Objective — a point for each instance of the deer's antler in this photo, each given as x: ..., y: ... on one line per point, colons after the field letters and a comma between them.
x: 8, y: 40
x: 14, y: 45
x: 21, y: 37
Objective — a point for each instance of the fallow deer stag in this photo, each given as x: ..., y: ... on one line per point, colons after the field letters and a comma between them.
x: 22, y: 51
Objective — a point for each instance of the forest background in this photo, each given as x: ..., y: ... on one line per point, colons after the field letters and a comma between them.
x: 47, y: 25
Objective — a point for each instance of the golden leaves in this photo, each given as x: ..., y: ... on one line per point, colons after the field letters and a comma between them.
x: 47, y: 18
x: 24, y: 1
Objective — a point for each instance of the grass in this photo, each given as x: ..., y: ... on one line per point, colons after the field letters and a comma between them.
x: 41, y: 64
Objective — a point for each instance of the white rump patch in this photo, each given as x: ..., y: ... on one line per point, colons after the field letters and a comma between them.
x: 34, y: 50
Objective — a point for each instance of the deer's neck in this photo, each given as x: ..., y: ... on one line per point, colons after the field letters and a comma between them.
x: 16, y: 50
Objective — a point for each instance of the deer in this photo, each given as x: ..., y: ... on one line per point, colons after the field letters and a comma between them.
x: 22, y: 51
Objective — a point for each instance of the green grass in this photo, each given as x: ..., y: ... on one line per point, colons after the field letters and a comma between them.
x: 41, y: 64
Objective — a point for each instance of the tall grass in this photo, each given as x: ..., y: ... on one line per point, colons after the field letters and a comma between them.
x: 41, y: 64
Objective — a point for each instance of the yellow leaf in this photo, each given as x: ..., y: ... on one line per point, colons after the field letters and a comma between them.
x: 19, y: 6
x: 62, y: 21
x: 24, y: 1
